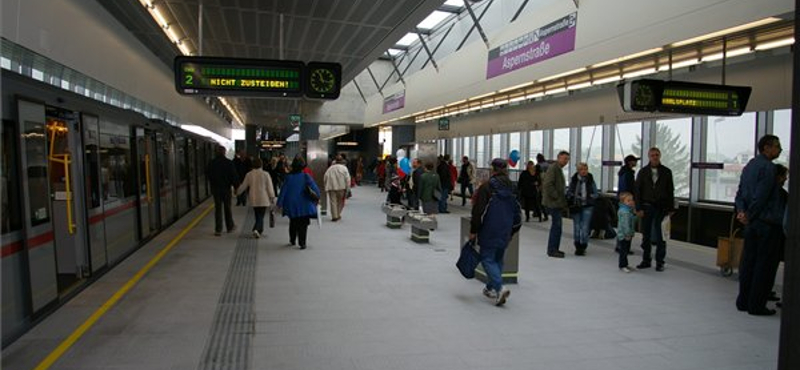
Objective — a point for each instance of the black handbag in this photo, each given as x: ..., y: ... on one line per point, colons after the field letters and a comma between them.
x: 468, y: 260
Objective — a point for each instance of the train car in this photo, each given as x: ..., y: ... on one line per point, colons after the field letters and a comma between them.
x: 84, y: 184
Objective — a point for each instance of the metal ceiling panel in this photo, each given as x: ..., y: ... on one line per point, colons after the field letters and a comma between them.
x: 351, y: 32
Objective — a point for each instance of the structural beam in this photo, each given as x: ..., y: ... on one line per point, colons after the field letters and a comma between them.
x: 430, y: 55
x: 476, y: 24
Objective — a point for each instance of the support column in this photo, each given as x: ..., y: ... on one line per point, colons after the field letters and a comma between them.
x: 309, y: 131
x: 250, y: 142
x: 402, y: 135
x: 788, y: 353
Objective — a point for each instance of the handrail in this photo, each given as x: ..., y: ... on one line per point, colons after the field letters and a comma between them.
x: 66, y: 160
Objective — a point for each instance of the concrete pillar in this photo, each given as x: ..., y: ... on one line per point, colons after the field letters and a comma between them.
x: 309, y: 131
x: 250, y: 142
x: 402, y: 135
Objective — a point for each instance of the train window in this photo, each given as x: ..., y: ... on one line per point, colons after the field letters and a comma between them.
x: 674, y: 139
x: 782, y: 127
x: 535, y: 144
x: 11, y: 213
x: 36, y: 168
x: 729, y: 140
x: 561, y: 138
x: 627, y: 141
x: 91, y: 141
x: 592, y: 151
x: 117, y: 178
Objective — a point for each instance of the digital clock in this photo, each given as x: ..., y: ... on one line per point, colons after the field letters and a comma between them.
x: 683, y: 97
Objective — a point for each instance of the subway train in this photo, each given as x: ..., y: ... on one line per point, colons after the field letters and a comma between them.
x: 84, y: 184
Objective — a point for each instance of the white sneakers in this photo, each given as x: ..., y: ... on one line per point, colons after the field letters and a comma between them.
x: 627, y: 269
x: 256, y: 234
x: 498, y: 298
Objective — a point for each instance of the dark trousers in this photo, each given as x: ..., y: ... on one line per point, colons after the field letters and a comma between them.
x: 760, y: 260
x: 531, y: 203
x: 554, y: 241
x: 651, y: 234
x: 464, y: 187
x: 222, y: 202
x: 298, y: 229
x: 624, y: 247
x: 413, y: 199
x: 259, y: 213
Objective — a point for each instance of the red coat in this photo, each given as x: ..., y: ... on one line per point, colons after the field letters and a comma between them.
x: 453, y: 176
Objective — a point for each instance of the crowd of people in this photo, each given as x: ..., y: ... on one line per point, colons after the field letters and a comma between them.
x: 645, y: 198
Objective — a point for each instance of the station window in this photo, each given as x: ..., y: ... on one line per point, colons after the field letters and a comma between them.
x: 674, y: 139
x: 561, y: 143
x: 480, y: 154
x: 627, y: 140
x: 515, y: 143
x: 592, y: 151
x: 456, y: 149
x: 729, y: 140
x: 497, y: 147
x: 468, y: 147
x: 535, y: 145
x: 782, y: 128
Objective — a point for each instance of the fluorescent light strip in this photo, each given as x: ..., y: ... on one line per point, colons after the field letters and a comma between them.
x: 515, y: 87
x: 726, y: 31
x: 555, y: 91
x: 579, y: 86
x: 553, y: 77
x: 682, y: 64
x: 606, y: 80
x: 627, y: 57
x: 775, y: 44
x: 639, y: 73
x: 729, y: 54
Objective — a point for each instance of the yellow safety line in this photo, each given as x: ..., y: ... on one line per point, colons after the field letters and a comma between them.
x: 78, y: 333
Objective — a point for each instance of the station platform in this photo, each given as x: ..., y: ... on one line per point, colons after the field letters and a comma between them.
x: 363, y: 296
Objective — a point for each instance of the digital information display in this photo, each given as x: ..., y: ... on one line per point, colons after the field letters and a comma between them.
x: 683, y: 97
x: 256, y: 77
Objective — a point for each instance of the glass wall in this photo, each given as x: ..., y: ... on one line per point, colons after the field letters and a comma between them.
x: 535, y: 144
x: 497, y: 147
x: 592, y: 151
x: 480, y: 154
x: 561, y: 143
x: 731, y: 141
x: 627, y: 141
x: 468, y: 147
x: 674, y: 139
x: 782, y: 127
x: 515, y: 143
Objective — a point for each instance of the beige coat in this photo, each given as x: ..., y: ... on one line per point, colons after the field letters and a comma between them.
x: 337, y: 177
x: 262, y: 194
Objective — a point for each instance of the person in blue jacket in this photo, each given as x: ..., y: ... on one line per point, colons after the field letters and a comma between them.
x: 297, y: 203
x: 496, y: 216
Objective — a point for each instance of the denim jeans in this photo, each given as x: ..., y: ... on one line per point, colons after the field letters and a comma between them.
x: 492, y: 261
x: 554, y: 241
x: 624, y: 246
x: 581, y: 222
x: 651, y: 234
x: 443, y: 199
x: 259, y: 213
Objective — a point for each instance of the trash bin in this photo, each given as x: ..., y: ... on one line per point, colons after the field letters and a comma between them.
x: 510, y: 260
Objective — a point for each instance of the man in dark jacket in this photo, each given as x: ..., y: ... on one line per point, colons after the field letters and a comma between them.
x: 495, y: 219
x: 626, y: 175
x: 654, y: 192
x: 222, y: 178
x: 416, y: 177
x: 756, y: 201
x: 446, y: 181
x: 242, y: 164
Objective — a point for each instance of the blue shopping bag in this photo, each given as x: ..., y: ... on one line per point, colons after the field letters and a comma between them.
x: 468, y: 260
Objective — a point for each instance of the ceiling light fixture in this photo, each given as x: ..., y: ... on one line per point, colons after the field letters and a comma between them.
x: 726, y: 31
x: 775, y: 44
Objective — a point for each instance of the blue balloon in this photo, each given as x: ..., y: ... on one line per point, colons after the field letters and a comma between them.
x: 513, y: 158
x: 405, y: 165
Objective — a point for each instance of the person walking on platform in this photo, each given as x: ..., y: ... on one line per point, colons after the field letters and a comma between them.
x: 337, y: 182
x: 581, y: 197
x: 222, y: 179
x: 443, y: 170
x: 541, y: 169
x: 261, y: 194
x: 528, y: 184
x: 242, y: 164
x: 414, y: 182
x: 554, y: 198
x: 757, y: 209
x: 429, y: 185
x: 625, y: 229
x: 298, y: 203
x: 626, y: 175
x: 466, y: 178
x: 654, y: 193
x: 495, y: 220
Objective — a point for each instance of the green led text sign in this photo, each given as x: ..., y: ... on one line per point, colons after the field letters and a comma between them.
x: 683, y: 97
x: 240, y: 77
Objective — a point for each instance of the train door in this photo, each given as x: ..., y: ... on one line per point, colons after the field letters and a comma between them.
x: 166, y: 176
x: 40, y: 245
x: 67, y: 200
x: 98, y: 255
x: 148, y: 215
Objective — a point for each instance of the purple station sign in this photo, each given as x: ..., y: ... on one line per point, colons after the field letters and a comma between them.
x: 538, y: 45
x: 394, y: 102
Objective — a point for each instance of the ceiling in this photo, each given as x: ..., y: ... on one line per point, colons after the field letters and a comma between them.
x: 351, y: 32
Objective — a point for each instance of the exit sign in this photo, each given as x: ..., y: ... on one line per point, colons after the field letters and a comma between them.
x: 444, y: 124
